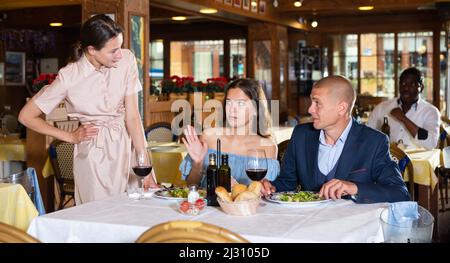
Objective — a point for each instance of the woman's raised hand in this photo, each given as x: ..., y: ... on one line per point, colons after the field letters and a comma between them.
x: 197, y: 147
x: 84, y: 132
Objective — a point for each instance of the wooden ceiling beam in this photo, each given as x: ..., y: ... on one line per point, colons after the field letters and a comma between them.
x: 352, y: 5
x: 17, y: 4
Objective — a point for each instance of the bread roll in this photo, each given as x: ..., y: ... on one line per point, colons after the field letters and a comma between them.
x: 222, y: 193
x: 237, y: 189
x: 255, y: 187
x: 245, y: 196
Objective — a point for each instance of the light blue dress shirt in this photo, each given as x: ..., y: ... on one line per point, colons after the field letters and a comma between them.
x: 237, y: 165
x: 329, y: 154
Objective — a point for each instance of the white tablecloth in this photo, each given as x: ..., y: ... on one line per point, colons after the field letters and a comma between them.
x: 119, y: 219
x: 282, y: 133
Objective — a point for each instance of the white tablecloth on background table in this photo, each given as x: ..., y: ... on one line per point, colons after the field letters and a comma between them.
x: 282, y: 133
x: 120, y: 219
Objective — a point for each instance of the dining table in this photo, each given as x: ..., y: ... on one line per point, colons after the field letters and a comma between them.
x: 16, y: 207
x: 424, y: 164
x: 120, y: 219
x: 282, y: 133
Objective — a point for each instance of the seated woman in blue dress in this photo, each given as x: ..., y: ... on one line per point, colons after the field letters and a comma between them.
x: 247, y: 127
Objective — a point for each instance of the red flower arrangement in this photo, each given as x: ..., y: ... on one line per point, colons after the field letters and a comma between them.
x: 42, y: 80
x: 178, y: 84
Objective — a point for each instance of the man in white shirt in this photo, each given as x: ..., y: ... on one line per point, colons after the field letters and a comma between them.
x: 411, y: 119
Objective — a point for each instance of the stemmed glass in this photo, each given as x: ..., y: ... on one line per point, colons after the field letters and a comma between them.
x: 256, y: 167
x: 142, y: 167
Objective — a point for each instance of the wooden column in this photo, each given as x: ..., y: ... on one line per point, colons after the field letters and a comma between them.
x: 277, y: 35
x: 36, y: 149
x: 123, y: 11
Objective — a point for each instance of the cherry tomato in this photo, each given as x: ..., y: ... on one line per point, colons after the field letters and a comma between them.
x: 200, y: 203
x: 184, y: 206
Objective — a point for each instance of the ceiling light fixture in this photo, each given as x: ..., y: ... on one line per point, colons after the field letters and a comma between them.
x: 208, y: 11
x: 302, y: 20
x: 56, y: 24
x: 365, y: 7
x: 298, y: 3
x: 275, y: 3
x: 178, y: 18
x: 314, y: 23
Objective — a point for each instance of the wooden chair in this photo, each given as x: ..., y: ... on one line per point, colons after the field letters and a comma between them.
x: 61, y: 156
x: 68, y: 126
x: 443, y: 172
x: 160, y: 132
x: 189, y: 232
x: 282, y: 147
x: 405, y: 164
x: 11, y: 234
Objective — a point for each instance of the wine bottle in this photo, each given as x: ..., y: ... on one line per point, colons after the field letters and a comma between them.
x: 211, y: 181
x: 385, y: 127
x: 225, y: 173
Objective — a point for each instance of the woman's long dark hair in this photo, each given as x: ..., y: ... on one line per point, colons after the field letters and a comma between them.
x: 95, y: 32
x: 252, y: 89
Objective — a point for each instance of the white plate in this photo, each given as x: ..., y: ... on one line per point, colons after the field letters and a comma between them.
x: 274, y: 198
x: 164, y: 194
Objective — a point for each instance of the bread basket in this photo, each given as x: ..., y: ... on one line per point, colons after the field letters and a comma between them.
x: 242, y: 208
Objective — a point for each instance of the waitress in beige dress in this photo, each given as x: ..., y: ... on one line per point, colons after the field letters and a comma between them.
x: 100, y: 88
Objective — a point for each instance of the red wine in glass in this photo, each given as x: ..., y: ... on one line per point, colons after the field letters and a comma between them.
x: 256, y: 174
x: 256, y: 167
x: 142, y: 171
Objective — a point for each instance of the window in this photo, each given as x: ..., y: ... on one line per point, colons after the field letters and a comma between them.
x: 377, y: 65
x: 345, y: 57
x: 415, y: 49
x: 200, y: 59
x: 376, y: 56
x: 156, y: 61
x: 238, y: 63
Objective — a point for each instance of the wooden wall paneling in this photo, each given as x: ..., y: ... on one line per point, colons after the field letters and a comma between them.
x: 93, y: 7
x: 436, y: 67
x: 379, y: 23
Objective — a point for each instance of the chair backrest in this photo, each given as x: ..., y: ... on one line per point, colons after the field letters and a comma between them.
x: 68, y: 126
x: 61, y: 156
x: 444, y: 136
x: 282, y: 147
x: 405, y: 164
x: 189, y: 232
x: 11, y: 234
x: 160, y: 132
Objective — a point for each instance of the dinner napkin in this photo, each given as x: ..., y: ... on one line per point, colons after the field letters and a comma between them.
x: 403, y: 213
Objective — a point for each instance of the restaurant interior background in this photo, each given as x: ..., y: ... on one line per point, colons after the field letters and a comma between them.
x: 284, y: 44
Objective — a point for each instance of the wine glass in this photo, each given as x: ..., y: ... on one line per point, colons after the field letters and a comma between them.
x: 256, y: 167
x: 142, y: 167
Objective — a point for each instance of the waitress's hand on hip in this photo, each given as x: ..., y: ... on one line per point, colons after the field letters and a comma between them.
x: 84, y: 132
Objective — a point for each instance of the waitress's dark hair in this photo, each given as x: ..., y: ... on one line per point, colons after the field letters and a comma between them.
x: 415, y: 73
x: 95, y: 32
x: 253, y: 90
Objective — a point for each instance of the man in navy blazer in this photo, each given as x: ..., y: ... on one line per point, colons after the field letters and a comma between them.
x: 337, y: 156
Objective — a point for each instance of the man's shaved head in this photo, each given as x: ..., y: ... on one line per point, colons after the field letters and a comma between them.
x: 339, y: 88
